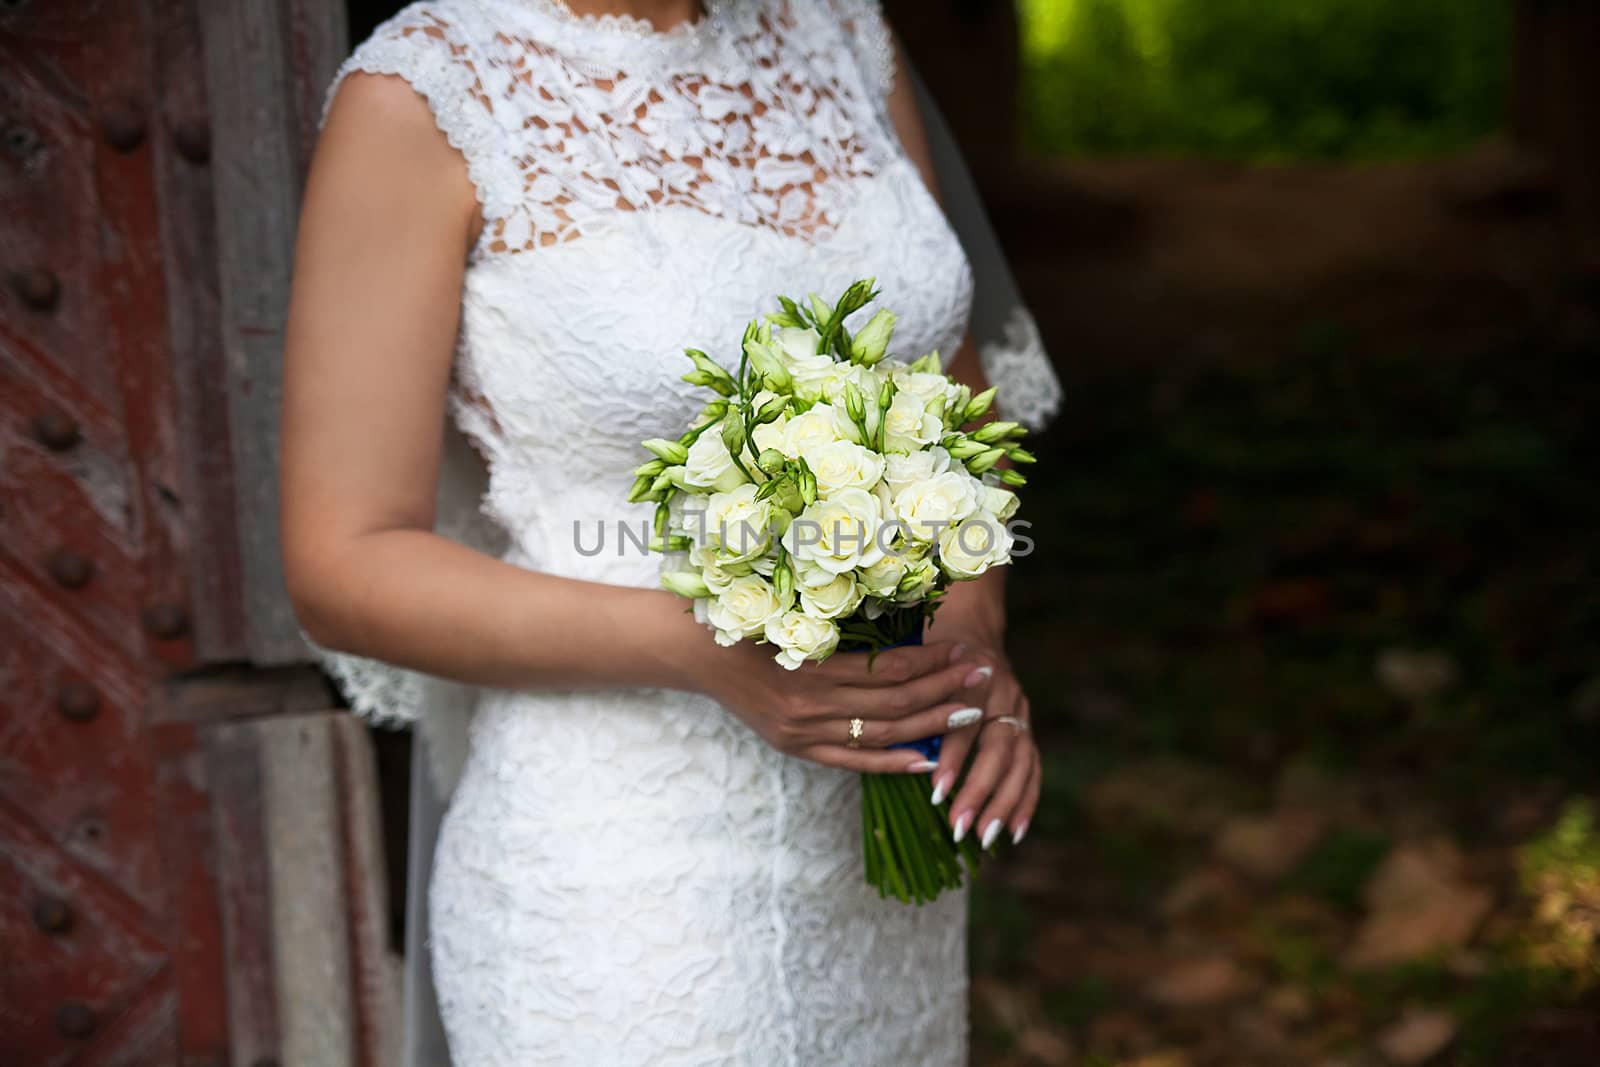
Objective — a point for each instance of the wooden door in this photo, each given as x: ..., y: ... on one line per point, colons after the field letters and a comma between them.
x: 188, y: 863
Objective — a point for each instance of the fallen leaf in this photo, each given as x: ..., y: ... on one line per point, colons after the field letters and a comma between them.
x: 1417, y: 1038
x: 1045, y: 1046
x: 1268, y: 846
x: 1200, y: 983
x: 1418, y: 903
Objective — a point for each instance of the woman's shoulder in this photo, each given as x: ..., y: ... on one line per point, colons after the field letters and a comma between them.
x: 429, y: 33
x: 434, y: 48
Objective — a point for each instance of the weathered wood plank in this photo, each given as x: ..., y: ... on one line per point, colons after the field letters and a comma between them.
x: 300, y: 859
x: 199, y: 504
x: 233, y: 775
x: 260, y: 57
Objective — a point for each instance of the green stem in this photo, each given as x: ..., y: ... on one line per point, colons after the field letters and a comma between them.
x: 895, y: 833
x: 892, y: 878
x: 908, y: 843
x: 869, y: 855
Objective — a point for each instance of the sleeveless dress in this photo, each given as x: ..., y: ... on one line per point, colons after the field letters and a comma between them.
x: 630, y: 876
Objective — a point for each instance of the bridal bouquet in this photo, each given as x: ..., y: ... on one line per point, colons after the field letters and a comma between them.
x: 824, y: 500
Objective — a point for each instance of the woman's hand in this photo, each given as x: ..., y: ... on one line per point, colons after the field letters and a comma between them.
x: 1001, y: 789
x: 906, y: 695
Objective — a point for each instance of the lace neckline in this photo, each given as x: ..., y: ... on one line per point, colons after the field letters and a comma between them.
x: 631, y: 27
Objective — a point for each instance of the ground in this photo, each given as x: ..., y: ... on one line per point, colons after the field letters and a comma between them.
x: 1311, y: 635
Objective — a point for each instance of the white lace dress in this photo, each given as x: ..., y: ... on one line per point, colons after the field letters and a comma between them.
x: 631, y: 877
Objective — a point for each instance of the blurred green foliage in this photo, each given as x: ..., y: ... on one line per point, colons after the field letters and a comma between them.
x: 1322, y: 79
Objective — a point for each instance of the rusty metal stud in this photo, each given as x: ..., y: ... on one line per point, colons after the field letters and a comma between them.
x: 166, y: 622
x: 37, y: 287
x: 77, y: 701
x: 123, y: 128
x: 55, y: 429
x: 20, y: 143
x: 52, y: 915
x: 70, y: 569
x: 192, y: 139
x: 75, y: 1019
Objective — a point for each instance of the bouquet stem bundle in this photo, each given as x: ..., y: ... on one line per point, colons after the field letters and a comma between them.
x: 906, y: 840
x: 910, y: 854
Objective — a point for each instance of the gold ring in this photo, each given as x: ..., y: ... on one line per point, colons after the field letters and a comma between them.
x: 857, y: 728
x: 1012, y: 721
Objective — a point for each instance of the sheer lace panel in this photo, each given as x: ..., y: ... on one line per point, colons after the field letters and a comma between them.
x: 773, y: 150
x: 763, y: 118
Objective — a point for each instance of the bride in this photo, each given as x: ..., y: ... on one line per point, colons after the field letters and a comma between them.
x: 519, y: 213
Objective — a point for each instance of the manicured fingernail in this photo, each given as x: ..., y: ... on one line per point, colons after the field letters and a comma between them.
x: 961, y: 826
x: 923, y: 767
x: 978, y: 676
x: 964, y: 717
x: 939, y: 789
x: 991, y: 832
x: 956, y: 652
x: 1020, y: 832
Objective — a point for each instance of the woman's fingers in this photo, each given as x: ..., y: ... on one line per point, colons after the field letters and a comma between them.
x: 907, y: 698
x: 1023, y: 816
x: 895, y: 666
x: 952, y: 757
x: 865, y: 760
x: 996, y: 743
x: 881, y: 733
x: 1013, y: 785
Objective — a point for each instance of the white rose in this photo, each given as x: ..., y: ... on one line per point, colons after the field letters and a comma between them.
x: 882, y: 577
x: 999, y: 501
x: 866, y: 379
x: 801, y: 637
x: 885, y: 499
x: 970, y: 548
x: 768, y: 434
x: 902, y: 469
x: 808, y: 369
x: 738, y: 524
x: 832, y: 600
x: 917, y: 582
x: 847, y: 429
x: 796, y: 344
x: 809, y: 430
x: 718, y: 574
x: 930, y: 505
x: 811, y: 375
x: 908, y: 425
x: 838, y: 533
x: 924, y: 385
x: 744, y: 609
x: 843, y: 465
x: 807, y: 574
x: 709, y: 465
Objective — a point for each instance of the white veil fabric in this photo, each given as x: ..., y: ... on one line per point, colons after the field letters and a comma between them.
x: 440, y: 711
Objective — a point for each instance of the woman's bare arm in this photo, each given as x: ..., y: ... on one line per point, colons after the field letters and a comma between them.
x: 389, y: 217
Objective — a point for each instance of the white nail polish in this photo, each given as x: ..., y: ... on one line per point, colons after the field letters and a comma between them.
x: 990, y: 833
x: 1021, y: 832
x: 987, y: 672
x: 964, y: 717
x: 961, y: 828
x: 924, y: 767
x: 938, y: 792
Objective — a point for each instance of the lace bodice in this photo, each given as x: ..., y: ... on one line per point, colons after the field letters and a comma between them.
x: 752, y: 114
